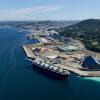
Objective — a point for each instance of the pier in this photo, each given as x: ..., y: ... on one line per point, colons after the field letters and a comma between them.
x: 81, y: 72
x: 72, y: 67
x: 28, y: 51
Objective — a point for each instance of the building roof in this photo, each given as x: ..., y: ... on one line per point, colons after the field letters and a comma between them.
x: 67, y: 48
x: 92, y: 63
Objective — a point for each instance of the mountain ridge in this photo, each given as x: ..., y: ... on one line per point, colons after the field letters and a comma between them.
x: 88, y: 31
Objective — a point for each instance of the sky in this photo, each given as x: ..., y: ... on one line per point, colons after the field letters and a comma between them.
x: 49, y: 9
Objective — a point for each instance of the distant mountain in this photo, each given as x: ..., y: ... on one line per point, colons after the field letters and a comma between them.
x: 37, y: 22
x: 88, y: 31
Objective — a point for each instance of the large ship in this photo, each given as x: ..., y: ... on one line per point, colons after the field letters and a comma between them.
x: 50, y: 70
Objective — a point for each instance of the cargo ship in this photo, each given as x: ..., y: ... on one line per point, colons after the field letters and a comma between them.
x: 50, y: 70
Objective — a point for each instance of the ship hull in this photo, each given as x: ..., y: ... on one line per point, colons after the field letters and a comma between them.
x: 50, y: 73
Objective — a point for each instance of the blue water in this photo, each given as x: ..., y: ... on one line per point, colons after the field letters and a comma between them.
x: 18, y: 80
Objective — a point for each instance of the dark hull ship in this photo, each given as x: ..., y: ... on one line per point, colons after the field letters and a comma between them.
x: 50, y: 70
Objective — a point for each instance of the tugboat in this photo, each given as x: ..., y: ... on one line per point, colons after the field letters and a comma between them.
x: 50, y: 70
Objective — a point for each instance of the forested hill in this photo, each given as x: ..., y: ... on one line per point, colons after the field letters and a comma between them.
x: 88, y: 31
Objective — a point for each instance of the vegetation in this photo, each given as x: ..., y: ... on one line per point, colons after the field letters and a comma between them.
x: 88, y: 31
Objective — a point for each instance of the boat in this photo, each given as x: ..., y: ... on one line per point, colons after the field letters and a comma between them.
x: 50, y: 70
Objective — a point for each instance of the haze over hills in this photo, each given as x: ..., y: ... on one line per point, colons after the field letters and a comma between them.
x: 88, y: 31
x: 38, y: 25
x: 70, y: 22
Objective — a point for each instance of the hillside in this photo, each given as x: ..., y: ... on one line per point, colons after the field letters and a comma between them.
x: 88, y: 31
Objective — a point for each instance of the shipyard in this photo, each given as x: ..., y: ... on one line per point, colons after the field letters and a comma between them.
x: 65, y: 54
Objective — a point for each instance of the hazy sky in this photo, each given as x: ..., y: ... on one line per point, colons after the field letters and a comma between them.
x: 49, y: 9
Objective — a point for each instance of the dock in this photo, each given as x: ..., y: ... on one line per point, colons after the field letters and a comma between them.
x: 81, y: 72
x: 65, y: 65
x: 28, y: 51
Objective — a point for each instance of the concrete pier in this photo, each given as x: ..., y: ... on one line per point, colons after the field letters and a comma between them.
x: 81, y: 72
x: 65, y: 65
x: 28, y: 51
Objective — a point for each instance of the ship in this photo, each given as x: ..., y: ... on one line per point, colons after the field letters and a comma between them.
x: 50, y: 70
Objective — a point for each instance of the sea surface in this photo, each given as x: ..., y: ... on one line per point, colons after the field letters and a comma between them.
x: 18, y: 80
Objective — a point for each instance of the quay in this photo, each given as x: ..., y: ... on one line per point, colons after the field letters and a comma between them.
x: 81, y: 72
x: 28, y: 51
x: 68, y: 63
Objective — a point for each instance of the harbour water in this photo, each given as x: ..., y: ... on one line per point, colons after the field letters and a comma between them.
x: 18, y: 80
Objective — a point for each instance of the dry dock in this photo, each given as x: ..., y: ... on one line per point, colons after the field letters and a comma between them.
x: 68, y: 66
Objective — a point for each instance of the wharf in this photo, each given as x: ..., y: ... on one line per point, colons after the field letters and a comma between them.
x: 81, y: 72
x: 28, y: 51
x: 72, y: 67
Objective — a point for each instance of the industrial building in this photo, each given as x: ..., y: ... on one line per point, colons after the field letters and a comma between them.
x: 91, y: 63
x: 67, y: 48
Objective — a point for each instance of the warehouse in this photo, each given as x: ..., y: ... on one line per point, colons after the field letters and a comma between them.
x: 91, y: 63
